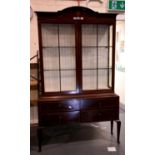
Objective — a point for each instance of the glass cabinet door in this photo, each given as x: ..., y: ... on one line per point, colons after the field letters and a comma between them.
x: 58, y: 48
x: 96, y: 56
x: 59, y: 57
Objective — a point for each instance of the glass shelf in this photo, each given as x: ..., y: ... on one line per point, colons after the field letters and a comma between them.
x: 58, y: 69
x: 74, y: 46
x: 95, y: 68
x: 59, y: 47
x: 76, y: 69
x: 96, y: 46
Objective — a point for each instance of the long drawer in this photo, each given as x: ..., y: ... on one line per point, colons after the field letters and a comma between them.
x: 99, y: 115
x: 66, y: 105
x: 89, y: 104
x: 58, y: 118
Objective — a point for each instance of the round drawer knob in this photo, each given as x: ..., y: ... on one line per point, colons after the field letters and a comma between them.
x: 69, y: 107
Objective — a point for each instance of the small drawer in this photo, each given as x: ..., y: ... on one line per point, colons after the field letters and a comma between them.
x: 99, y: 115
x: 58, y: 118
x: 89, y: 116
x: 48, y: 106
x: 107, y: 114
x: 109, y: 102
x: 68, y: 117
x: 89, y: 104
x: 68, y: 105
x: 49, y: 119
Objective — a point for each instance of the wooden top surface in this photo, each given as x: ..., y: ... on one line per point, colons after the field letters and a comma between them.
x: 76, y: 96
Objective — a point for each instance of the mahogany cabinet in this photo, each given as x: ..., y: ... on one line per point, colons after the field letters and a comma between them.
x: 76, y: 67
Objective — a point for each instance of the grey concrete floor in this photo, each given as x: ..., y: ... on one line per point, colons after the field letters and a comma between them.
x: 80, y: 139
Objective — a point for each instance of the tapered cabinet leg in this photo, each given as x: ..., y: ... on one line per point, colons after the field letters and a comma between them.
x: 118, y: 130
x: 39, y: 135
x: 112, y: 123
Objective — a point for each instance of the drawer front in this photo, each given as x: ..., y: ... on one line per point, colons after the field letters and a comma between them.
x: 109, y: 114
x: 58, y: 118
x: 70, y: 117
x: 99, y: 115
x: 109, y: 102
x: 89, y: 104
x: 68, y: 105
x: 49, y: 119
x: 89, y: 116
